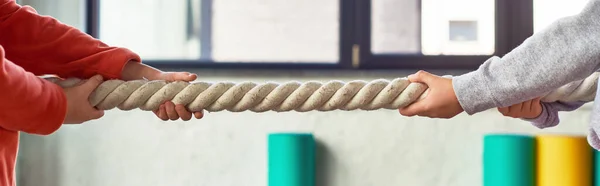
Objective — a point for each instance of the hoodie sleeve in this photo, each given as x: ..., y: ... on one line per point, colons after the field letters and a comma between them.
x: 43, y: 45
x: 549, y: 116
x: 564, y: 52
x: 29, y: 103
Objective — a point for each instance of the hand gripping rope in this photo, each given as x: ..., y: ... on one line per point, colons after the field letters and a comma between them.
x: 290, y: 96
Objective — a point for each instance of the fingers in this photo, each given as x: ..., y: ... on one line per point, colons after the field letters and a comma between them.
x: 526, y: 106
x: 190, y: 77
x: 199, y: 115
x: 419, y: 106
x: 181, y: 76
x: 91, y: 84
x: 422, y: 77
x: 536, y: 101
x: 161, y: 113
x: 503, y: 110
x: 88, y: 86
x: 414, y: 108
x: 439, y: 101
x: 536, y: 106
x: 97, y: 114
x: 170, y: 111
x: 515, y: 109
x: 511, y: 111
x: 183, y: 113
x: 170, y: 108
x: 526, y: 109
x: 90, y: 113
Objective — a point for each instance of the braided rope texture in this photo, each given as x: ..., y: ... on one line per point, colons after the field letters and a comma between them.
x: 584, y: 91
x: 290, y: 96
x: 249, y: 96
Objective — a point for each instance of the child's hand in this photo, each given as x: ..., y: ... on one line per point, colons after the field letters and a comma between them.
x: 440, y: 102
x: 171, y: 111
x: 167, y: 110
x: 79, y: 109
x: 526, y: 110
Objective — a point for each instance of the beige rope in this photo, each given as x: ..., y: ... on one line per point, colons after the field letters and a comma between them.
x: 249, y: 96
x: 270, y: 96
x: 582, y: 90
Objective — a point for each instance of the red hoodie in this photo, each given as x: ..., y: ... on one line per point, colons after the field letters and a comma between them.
x: 33, y: 45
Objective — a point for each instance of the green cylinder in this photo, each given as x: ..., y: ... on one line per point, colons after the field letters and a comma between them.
x: 596, y: 172
x: 509, y: 159
x: 291, y: 159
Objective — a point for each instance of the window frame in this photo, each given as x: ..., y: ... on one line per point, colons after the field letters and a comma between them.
x: 513, y: 24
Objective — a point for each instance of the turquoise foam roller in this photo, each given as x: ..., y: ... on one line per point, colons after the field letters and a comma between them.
x: 509, y: 160
x: 596, y: 173
x: 291, y: 159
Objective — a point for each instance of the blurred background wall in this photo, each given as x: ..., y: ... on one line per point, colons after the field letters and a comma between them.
x: 356, y: 148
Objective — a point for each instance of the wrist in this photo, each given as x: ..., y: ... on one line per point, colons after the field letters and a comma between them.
x: 545, y: 119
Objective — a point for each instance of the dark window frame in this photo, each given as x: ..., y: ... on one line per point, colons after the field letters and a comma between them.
x: 514, y: 23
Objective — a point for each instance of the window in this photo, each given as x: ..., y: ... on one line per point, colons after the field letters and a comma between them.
x: 463, y: 31
x: 66, y: 11
x: 432, y: 27
x: 448, y: 34
x: 548, y: 11
x: 308, y: 34
x: 224, y: 30
x: 396, y: 26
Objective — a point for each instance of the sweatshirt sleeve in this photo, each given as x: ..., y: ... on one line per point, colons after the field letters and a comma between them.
x: 43, y: 45
x: 551, y: 105
x: 29, y: 103
x: 549, y: 116
x: 564, y: 52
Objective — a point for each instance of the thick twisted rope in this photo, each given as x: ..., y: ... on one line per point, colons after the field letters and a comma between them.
x: 289, y: 96
x: 301, y: 97
x: 584, y: 91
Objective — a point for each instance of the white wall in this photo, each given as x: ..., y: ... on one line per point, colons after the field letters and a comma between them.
x: 229, y: 149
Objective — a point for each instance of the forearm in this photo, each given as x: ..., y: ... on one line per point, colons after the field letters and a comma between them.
x: 43, y: 45
x: 562, y: 53
x: 29, y: 104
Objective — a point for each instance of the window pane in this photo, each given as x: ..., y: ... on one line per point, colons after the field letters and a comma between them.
x: 276, y: 30
x: 395, y: 26
x: 433, y: 27
x: 547, y: 11
x: 155, y: 29
x: 224, y: 30
x: 66, y: 11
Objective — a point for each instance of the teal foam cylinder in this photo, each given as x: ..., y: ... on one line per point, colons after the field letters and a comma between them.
x: 596, y: 172
x: 509, y: 159
x: 291, y: 159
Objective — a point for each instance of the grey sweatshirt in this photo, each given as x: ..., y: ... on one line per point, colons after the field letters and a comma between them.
x: 565, y: 52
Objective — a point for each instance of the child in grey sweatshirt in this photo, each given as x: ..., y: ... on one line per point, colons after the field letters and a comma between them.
x: 565, y: 52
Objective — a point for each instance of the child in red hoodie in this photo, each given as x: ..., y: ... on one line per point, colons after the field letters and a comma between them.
x: 33, y: 45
